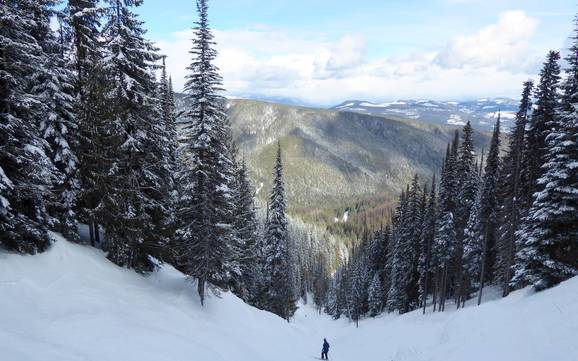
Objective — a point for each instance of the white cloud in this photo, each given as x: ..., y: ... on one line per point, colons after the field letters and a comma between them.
x: 503, y: 45
x: 273, y: 62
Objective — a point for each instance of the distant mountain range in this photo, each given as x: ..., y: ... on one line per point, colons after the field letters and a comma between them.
x: 481, y: 113
x: 335, y: 158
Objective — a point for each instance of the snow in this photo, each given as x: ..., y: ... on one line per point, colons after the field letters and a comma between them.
x: 456, y: 119
x: 70, y: 303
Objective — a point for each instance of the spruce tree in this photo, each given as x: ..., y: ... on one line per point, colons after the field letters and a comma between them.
x: 206, y: 203
x: 131, y: 203
x: 428, y: 237
x: 245, y: 225
x: 489, y: 208
x: 277, y: 254
x: 375, y: 296
x: 26, y: 170
x: 548, y: 246
x: 467, y: 185
x: 81, y: 20
x: 510, y: 192
x: 54, y: 88
x: 546, y: 106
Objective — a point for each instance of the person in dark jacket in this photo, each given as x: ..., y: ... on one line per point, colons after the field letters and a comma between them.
x: 325, y: 350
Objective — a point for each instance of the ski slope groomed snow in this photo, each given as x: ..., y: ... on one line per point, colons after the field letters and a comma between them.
x: 71, y: 304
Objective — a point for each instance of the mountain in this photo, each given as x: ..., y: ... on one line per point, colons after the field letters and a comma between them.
x: 71, y: 303
x: 274, y: 99
x: 334, y: 159
x: 481, y: 113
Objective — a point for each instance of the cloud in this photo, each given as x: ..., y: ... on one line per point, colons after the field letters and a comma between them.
x: 275, y: 62
x: 504, y: 45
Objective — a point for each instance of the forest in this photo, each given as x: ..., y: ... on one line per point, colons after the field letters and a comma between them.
x: 91, y: 137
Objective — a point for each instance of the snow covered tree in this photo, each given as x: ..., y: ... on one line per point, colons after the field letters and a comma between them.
x: 375, y: 296
x: 510, y: 193
x: 403, y: 293
x: 548, y: 238
x: 358, y: 286
x: 26, y: 169
x: 131, y: 200
x: 81, y: 28
x: 277, y: 254
x: 428, y: 237
x: 467, y: 191
x: 245, y: 225
x: 444, y: 244
x: 473, y: 246
x: 489, y: 203
x: 546, y: 105
x: 54, y: 88
x: 206, y: 204
x: 443, y: 250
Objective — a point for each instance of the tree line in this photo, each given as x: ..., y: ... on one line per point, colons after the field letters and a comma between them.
x: 507, y: 218
x: 90, y: 135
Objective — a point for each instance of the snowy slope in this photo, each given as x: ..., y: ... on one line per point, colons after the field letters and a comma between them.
x: 72, y: 304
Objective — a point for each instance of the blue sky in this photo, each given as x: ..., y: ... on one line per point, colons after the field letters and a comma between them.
x: 324, y: 51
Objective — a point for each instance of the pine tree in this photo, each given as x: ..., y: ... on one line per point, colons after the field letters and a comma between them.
x: 358, y: 286
x: 375, y: 296
x: 546, y: 104
x: 428, y: 237
x: 489, y: 209
x: 403, y: 293
x: 548, y: 246
x: 206, y: 204
x: 26, y: 171
x: 245, y: 225
x: 473, y: 245
x: 281, y: 295
x: 131, y: 204
x: 510, y: 192
x: 444, y: 245
x: 54, y: 88
x: 81, y: 24
x: 467, y: 185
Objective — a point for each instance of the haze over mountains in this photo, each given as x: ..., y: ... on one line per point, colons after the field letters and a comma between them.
x: 481, y: 113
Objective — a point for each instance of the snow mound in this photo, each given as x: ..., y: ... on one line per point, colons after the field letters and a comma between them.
x: 70, y: 303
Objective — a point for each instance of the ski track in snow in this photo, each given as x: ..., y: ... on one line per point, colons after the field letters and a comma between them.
x: 71, y: 304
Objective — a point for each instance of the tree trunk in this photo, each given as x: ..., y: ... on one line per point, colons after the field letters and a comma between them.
x: 201, y: 290
x: 483, y: 268
x: 91, y: 231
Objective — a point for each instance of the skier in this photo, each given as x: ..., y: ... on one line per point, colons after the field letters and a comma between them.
x: 325, y: 350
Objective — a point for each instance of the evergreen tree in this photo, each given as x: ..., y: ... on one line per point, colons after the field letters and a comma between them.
x: 403, y: 293
x: 473, y: 245
x: 245, y: 225
x: 26, y: 170
x: 467, y: 185
x: 131, y: 205
x: 206, y: 204
x: 510, y: 192
x: 546, y: 104
x: 278, y: 266
x: 548, y: 246
x: 428, y: 237
x: 84, y: 52
x: 54, y: 87
x: 489, y: 209
x: 375, y: 296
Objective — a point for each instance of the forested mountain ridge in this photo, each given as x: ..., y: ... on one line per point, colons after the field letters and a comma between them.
x: 334, y: 159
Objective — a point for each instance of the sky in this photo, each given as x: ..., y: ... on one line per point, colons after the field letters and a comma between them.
x: 323, y: 52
